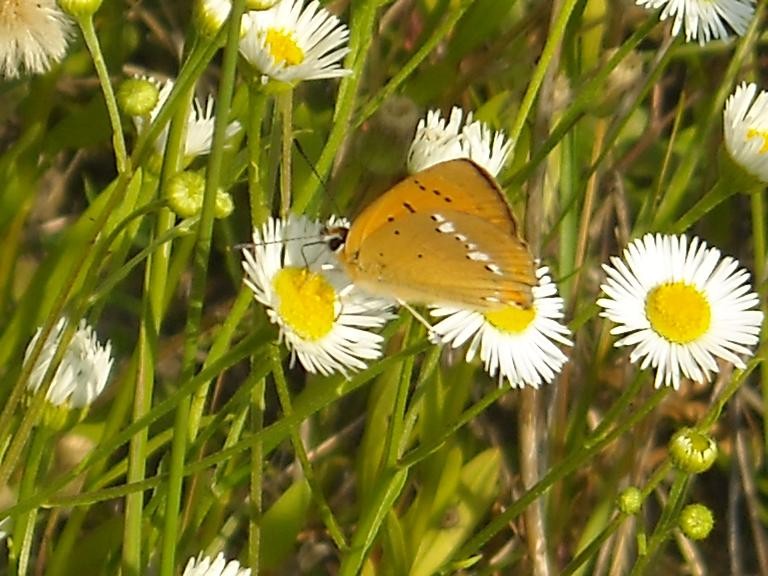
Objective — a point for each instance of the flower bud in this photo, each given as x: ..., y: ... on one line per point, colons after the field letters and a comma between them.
x: 630, y: 501
x: 210, y: 15
x: 185, y: 196
x: 80, y: 8
x: 696, y: 521
x: 137, y: 96
x: 260, y: 4
x: 692, y: 451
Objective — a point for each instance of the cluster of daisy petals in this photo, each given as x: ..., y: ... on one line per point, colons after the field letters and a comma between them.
x: 678, y: 303
x: 219, y: 566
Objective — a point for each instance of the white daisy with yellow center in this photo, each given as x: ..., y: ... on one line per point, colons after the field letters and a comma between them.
x: 745, y: 123
x: 519, y: 345
x: 324, y: 319
x: 705, y: 20
x: 291, y: 43
x: 681, y: 306
x: 33, y: 36
x: 439, y: 140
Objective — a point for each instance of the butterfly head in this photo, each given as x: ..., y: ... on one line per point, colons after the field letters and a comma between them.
x: 335, y: 237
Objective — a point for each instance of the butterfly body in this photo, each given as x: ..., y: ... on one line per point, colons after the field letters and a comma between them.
x: 445, y: 236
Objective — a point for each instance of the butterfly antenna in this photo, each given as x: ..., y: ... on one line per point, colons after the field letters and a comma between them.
x: 310, y: 243
x: 320, y: 180
x: 244, y: 245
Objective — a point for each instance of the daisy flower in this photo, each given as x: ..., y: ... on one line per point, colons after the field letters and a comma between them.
x: 438, y: 140
x: 520, y: 345
x: 33, y: 36
x: 202, y: 566
x: 200, y: 120
x: 292, y: 42
x: 84, y: 369
x: 324, y: 319
x: 680, y: 305
x: 704, y: 20
x: 745, y: 123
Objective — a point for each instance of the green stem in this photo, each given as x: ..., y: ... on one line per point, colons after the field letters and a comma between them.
x: 25, y: 524
x: 666, y: 523
x: 719, y: 193
x: 155, y: 286
x: 438, y: 35
x: 285, y: 106
x: 118, y: 139
x: 257, y: 467
x: 260, y: 211
x: 237, y: 352
x: 260, y: 208
x: 584, y: 101
x: 551, y: 49
x: 361, y: 36
x: 298, y: 445
x: 397, y: 421
x: 84, y: 266
x: 678, y: 186
x: 425, y: 450
x: 734, y: 383
x: 197, y: 291
x: 12, y: 452
x: 59, y: 561
x: 227, y: 330
x: 591, y: 550
x: 758, y: 249
x: 556, y: 473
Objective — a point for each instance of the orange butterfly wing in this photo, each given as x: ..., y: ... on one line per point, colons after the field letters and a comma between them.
x: 443, y: 236
x: 456, y: 185
x: 447, y: 258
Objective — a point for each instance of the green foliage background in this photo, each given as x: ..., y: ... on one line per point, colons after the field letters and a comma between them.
x: 207, y: 441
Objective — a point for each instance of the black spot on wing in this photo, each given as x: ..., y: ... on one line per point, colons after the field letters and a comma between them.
x: 408, y: 206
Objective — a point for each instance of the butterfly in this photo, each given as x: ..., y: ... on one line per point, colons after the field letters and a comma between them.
x: 443, y: 236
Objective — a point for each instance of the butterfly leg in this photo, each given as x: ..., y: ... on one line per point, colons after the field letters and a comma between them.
x: 433, y: 336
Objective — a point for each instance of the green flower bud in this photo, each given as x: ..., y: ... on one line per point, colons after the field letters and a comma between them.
x: 185, y: 196
x: 137, y: 96
x: 224, y: 205
x: 260, y: 4
x: 696, y: 521
x: 210, y: 15
x: 80, y: 8
x: 692, y: 451
x: 630, y: 501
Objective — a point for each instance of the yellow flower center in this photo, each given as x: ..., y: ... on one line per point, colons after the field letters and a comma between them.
x: 512, y: 319
x: 678, y: 312
x: 306, y: 302
x: 755, y: 133
x: 283, y: 47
